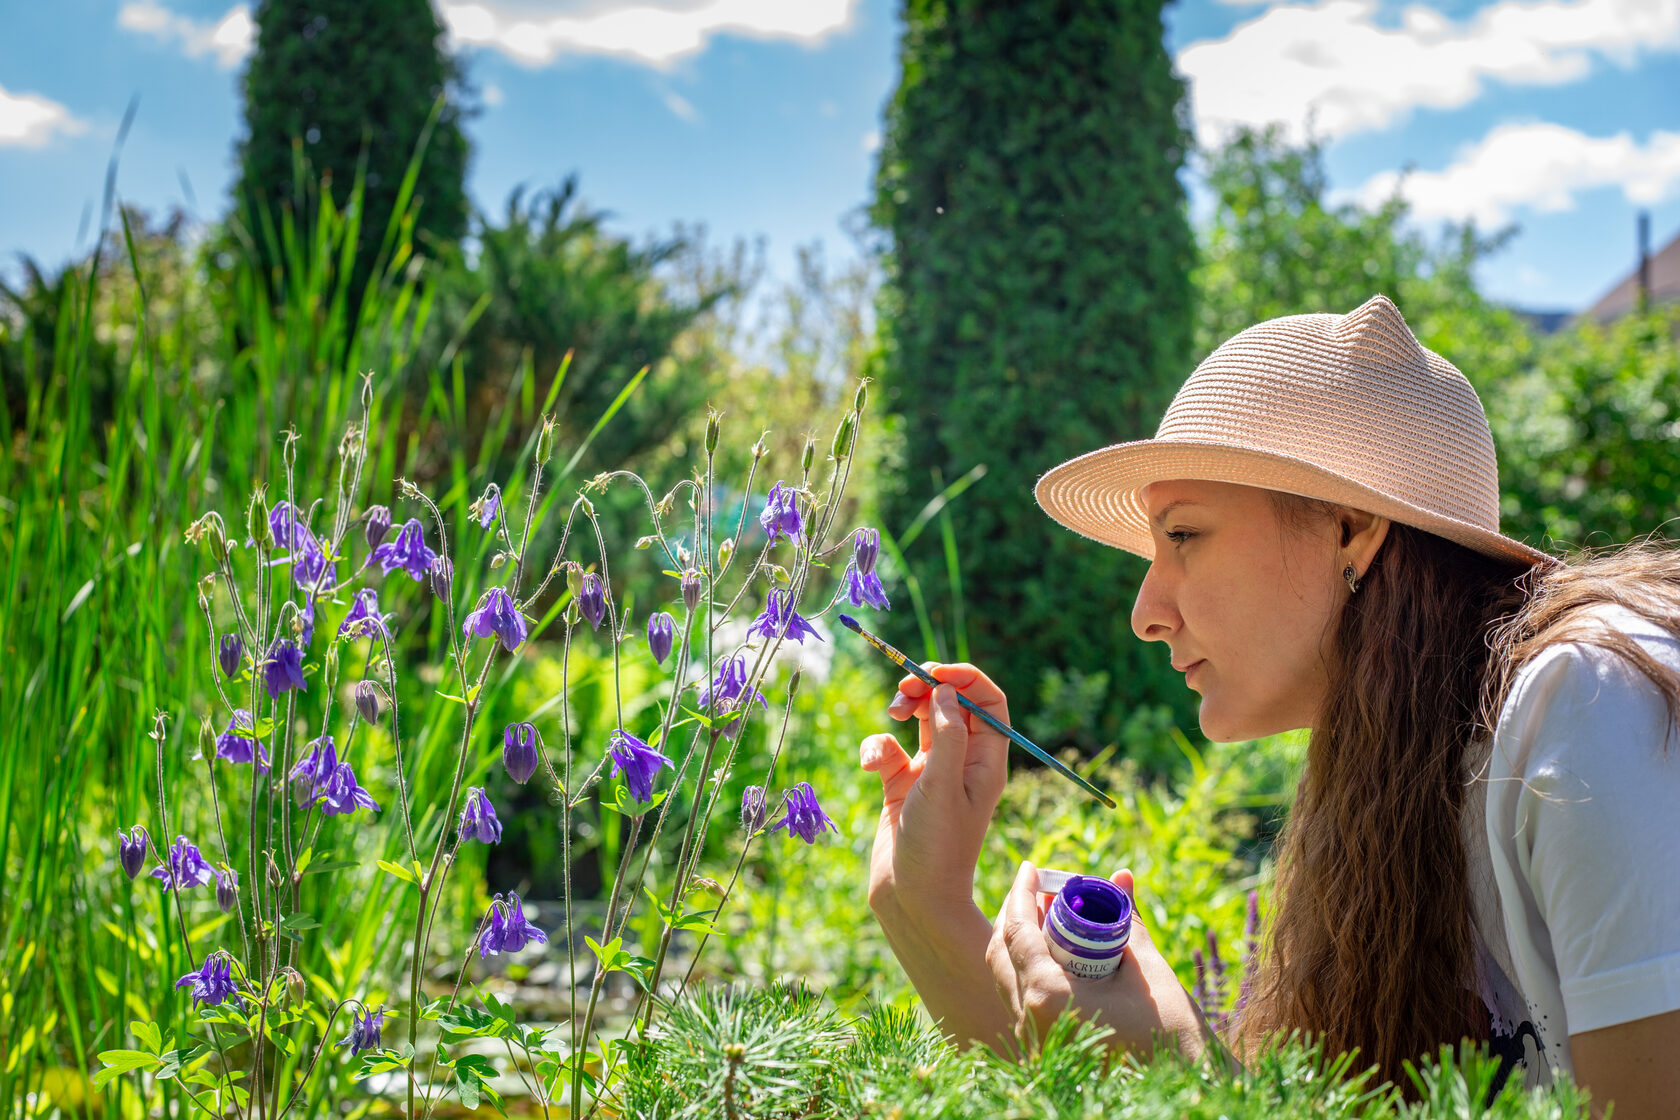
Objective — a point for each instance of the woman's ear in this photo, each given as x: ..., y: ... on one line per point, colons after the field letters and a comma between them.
x: 1362, y: 536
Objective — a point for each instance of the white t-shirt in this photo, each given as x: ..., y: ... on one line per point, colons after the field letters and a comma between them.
x: 1575, y: 887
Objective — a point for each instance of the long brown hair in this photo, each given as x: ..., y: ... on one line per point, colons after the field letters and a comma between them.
x: 1371, y: 945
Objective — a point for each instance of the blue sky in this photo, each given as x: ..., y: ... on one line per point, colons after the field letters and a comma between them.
x: 761, y: 117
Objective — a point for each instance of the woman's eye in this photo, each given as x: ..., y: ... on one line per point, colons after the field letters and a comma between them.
x: 1179, y: 536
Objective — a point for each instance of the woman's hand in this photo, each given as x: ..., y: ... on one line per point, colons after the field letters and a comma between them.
x: 1142, y: 1001
x: 934, y: 813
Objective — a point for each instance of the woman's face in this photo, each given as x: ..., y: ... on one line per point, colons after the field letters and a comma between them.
x: 1245, y: 603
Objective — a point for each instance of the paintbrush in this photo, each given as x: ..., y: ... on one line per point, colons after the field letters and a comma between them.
x: 1031, y: 747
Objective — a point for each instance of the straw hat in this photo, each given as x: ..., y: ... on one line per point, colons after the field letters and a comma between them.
x: 1348, y: 408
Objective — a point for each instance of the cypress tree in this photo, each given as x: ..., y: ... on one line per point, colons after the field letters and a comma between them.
x: 1038, y: 306
x: 348, y: 80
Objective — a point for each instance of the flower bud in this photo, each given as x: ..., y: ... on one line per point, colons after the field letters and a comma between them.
x: 760, y: 449
x: 296, y: 989
x: 866, y: 546
x: 712, y: 426
x: 370, y: 700
x: 662, y: 629
x: 725, y: 551
x: 376, y: 524
x: 691, y: 589
x: 843, y: 436
x: 809, y: 457
x: 592, y: 600
x: 574, y: 578
x: 860, y: 397
x: 227, y: 889
x: 643, y: 543
x: 440, y: 573
x: 571, y: 614
x: 131, y: 850
x: 230, y: 654
x: 545, y: 441
x: 520, y: 744
x: 256, y: 521
x: 499, y: 559
x: 793, y: 683
x: 753, y: 811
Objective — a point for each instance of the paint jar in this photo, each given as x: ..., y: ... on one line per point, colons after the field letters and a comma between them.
x: 1087, y: 924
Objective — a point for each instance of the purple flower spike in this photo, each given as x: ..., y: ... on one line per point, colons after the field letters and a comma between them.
x: 781, y: 514
x: 227, y: 889
x: 239, y: 744
x: 662, y: 635
x: 802, y: 816
x: 478, y: 819
x: 510, y: 931
x: 592, y: 600
x: 408, y: 552
x: 230, y: 654
x: 212, y: 984
x: 283, y: 668
x: 185, y: 867
x: 364, y: 1031
x: 781, y: 620
x: 489, y: 507
x: 364, y: 619
x: 131, y: 850
x: 496, y: 614
x: 519, y: 750
x: 638, y: 762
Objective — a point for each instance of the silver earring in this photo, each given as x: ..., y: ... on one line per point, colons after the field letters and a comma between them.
x: 1352, y: 579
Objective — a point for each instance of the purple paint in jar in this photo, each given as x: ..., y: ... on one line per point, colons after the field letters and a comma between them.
x: 1088, y: 923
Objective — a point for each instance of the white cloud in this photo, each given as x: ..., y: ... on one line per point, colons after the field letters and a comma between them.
x: 681, y: 106
x: 1333, y: 62
x: 493, y: 95
x: 229, y: 39
x: 1537, y: 166
x: 871, y: 142
x: 28, y: 120
x: 657, y: 35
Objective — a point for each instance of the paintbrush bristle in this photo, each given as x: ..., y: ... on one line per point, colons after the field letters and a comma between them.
x: 851, y: 623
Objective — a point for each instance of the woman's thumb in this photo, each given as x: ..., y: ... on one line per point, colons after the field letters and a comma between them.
x: 898, y: 771
x: 1128, y: 883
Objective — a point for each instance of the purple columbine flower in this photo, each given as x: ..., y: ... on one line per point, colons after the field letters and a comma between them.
x: 230, y: 654
x: 489, y: 507
x: 519, y: 750
x: 283, y: 667
x: 510, y: 931
x: 802, y: 816
x: 311, y: 773
x: 239, y: 743
x: 307, y: 634
x: 592, y: 600
x: 341, y: 795
x: 212, y: 984
x: 376, y: 525
x: 309, y: 560
x: 690, y: 587
x: 496, y: 614
x: 227, y: 889
x: 863, y: 585
x: 753, y: 809
x: 370, y: 700
x: 478, y: 819
x: 364, y: 619
x: 364, y: 1031
x: 638, y: 762
x: 662, y: 634
x: 781, y: 514
x: 728, y: 685
x: 131, y: 850
x: 781, y: 620
x: 408, y: 552
x: 185, y: 867
x: 439, y: 576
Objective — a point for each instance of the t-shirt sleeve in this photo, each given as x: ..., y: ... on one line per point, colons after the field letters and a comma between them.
x: 1598, y: 829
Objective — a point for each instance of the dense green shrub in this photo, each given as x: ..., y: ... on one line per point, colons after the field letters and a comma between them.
x: 1038, y: 305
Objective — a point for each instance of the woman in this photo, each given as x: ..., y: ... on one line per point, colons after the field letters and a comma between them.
x: 1477, y: 847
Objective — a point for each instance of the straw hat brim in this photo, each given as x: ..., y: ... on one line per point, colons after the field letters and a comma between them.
x: 1096, y: 495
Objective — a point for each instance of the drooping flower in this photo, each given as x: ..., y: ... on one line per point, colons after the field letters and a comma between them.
x: 131, y: 850
x: 370, y: 700
x: 863, y: 585
x: 282, y: 668
x: 311, y: 773
x: 753, y: 809
x: 185, y: 867
x: 489, y: 507
x: 227, y: 889
x: 310, y: 567
x: 730, y: 684
x: 519, y: 751
x: 781, y: 514
x: 690, y: 587
x: 239, y: 742
x: 478, y: 818
x: 592, y: 600
x: 376, y: 525
x: 364, y: 1033
x: 510, y: 931
x: 213, y: 984
x: 662, y: 634
x: 364, y: 619
x: 439, y: 576
x: 781, y: 620
x: 802, y: 816
x: 340, y: 794
x: 230, y: 654
x: 638, y: 762
x: 866, y: 545
x: 408, y: 552
x: 496, y: 614
x: 306, y: 632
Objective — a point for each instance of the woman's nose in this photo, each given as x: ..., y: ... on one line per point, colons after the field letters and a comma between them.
x: 1154, y: 615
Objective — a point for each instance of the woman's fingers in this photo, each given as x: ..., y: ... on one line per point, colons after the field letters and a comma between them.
x: 882, y: 755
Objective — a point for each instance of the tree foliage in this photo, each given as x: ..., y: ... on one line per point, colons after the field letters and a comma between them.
x: 1038, y: 305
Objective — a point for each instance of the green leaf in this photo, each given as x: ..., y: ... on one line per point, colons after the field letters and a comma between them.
x: 399, y: 871
x: 328, y: 865
x: 119, y: 1062
x: 149, y: 1033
